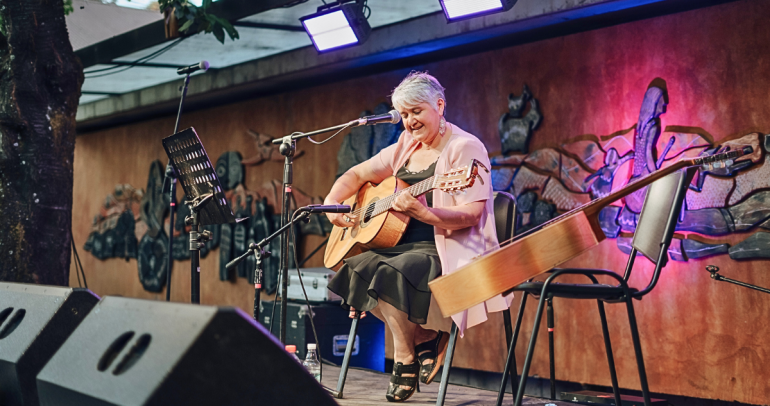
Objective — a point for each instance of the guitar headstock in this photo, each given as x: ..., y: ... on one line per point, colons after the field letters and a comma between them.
x: 718, y: 161
x: 461, y: 178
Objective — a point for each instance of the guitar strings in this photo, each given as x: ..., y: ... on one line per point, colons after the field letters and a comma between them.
x: 379, y: 210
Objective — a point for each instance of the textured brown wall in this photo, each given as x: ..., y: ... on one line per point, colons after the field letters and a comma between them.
x: 700, y: 338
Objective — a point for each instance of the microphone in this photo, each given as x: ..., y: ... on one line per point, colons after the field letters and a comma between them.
x: 331, y: 208
x: 392, y: 117
x: 193, y: 68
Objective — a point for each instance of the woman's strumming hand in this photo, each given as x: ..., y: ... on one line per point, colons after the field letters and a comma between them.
x: 342, y: 219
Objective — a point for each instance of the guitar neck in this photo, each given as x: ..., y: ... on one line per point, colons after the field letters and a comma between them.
x: 597, y: 205
x: 416, y: 190
x: 594, y: 207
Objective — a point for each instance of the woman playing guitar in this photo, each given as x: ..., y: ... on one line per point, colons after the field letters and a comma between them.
x: 445, y: 232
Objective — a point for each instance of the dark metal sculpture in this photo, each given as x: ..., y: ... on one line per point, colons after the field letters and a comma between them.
x: 225, y: 251
x: 366, y: 141
x: 757, y: 246
x: 514, y: 128
x: 155, y: 202
x: 741, y: 204
x: 602, y: 179
x: 230, y: 169
x: 648, y: 130
x: 608, y: 220
x: 241, y: 233
x: 152, y: 261
x: 695, y: 249
x: 113, y: 232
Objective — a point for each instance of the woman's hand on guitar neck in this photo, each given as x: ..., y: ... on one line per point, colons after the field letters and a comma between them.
x: 413, y: 207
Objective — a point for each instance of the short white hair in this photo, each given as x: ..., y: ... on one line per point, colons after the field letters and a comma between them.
x: 418, y: 87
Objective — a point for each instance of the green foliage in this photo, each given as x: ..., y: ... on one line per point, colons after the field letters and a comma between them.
x: 68, y: 7
x: 193, y: 19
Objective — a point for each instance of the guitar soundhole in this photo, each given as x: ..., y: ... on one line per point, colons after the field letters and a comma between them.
x: 368, y: 212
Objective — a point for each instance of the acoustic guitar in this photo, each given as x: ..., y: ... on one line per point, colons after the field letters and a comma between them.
x: 545, y: 247
x: 376, y: 226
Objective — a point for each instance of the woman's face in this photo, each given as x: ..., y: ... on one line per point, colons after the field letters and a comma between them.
x: 422, y: 120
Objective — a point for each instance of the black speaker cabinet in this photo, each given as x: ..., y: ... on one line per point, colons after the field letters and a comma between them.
x: 34, y: 322
x: 140, y: 352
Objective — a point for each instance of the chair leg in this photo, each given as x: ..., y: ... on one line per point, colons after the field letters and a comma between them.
x: 450, y: 352
x: 508, y: 339
x: 510, y: 361
x: 638, y: 350
x: 507, y: 325
x: 346, y: 359
x: 549, y: 323
x: 608, y: 349
x: 530, y: 351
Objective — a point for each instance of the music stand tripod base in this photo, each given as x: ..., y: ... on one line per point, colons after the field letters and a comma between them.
x: 203, y: 192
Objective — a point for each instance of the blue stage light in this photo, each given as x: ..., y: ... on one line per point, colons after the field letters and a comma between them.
x: 337, y: 25
x: 461, y: 9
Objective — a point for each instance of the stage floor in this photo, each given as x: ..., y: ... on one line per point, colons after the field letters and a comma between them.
x: 368, y: 388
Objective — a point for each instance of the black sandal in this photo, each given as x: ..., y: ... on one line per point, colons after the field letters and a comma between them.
x: 435, y: 350
x: 395, y: 392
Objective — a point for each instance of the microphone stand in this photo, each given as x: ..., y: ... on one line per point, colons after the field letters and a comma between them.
x: 713, y: 270
x: 172, y: 177
x: 288, y: 147
x: 258, y: 249
x: 198, y: 239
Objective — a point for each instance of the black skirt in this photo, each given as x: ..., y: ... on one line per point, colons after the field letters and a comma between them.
x: 397, y: 275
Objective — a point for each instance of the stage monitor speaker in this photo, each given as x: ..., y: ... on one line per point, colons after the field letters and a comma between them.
x: 141, y: 352
x: 34, y: 322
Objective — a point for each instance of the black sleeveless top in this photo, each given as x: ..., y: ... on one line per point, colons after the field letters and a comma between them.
x: 417, y: 230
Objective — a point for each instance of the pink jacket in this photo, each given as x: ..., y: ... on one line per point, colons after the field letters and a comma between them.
x: 459, y: 247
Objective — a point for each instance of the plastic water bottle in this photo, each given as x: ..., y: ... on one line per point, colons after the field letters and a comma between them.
x: 292, y: 349
x: 311, y: 362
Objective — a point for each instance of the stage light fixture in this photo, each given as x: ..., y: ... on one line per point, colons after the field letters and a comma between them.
x: 337, y: 25
x: 456, y: 10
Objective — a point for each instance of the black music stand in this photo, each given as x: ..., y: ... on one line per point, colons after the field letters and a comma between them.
x: 203, y: 194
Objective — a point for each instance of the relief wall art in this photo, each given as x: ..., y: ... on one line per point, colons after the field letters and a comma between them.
x: 722, y: 206
x: 133, y: 223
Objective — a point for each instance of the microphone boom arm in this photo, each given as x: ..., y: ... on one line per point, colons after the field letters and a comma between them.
x: 299, y: 135
x: 260, y: 245
x: 393, y: 115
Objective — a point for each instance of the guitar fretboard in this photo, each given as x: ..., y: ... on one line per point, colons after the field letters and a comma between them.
x: 383, y: 205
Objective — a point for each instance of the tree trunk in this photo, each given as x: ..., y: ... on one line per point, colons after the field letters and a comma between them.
x: 40, y: 79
